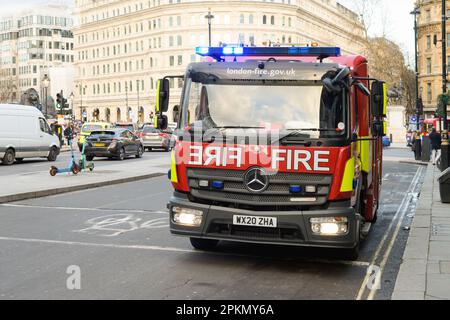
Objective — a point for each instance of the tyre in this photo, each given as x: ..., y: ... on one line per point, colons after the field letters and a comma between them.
x: 75, y: 169
x: 53, y: 154
x: 204, y: 244
x: 91, y: 167
x: 140, y: 152
x: 89, y: 158
x: 9, y: 157
x: 19, y: 160
x: 121, y: 155
x: 53, y: 171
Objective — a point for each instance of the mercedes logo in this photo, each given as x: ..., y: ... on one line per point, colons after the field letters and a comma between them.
x: 256, y: 180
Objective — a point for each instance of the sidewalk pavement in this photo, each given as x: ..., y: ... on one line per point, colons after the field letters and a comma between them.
x: 425, y: 271
x: 40, y: 184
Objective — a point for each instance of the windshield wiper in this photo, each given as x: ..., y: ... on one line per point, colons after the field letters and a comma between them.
x: 298, y: 131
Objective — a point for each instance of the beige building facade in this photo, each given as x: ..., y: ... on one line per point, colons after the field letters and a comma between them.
x: 430, y: 55
x: 32, y: 43
x: 124, y: 46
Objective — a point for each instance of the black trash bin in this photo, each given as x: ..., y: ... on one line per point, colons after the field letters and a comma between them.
x: 444, y: 186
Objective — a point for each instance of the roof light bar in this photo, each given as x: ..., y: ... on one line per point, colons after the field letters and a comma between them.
x: 320, y: 52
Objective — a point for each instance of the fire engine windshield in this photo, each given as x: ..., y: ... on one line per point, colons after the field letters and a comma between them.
x: 304, y: 106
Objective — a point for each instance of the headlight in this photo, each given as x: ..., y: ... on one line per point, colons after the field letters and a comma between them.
x: 187, y: 217
x: 334, y: 226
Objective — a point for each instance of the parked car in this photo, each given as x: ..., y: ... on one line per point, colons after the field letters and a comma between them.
x: 89, y: 127
x: 127, y: 125
x: 25, y: 133
x: 155, y: 139
x: 113, y: 143
x: 386, y: 141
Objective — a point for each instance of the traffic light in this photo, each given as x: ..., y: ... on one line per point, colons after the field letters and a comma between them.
x: 61, y: 102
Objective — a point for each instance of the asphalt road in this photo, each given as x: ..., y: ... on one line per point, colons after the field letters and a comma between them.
x: 35, y: 165
x: 118, y: 238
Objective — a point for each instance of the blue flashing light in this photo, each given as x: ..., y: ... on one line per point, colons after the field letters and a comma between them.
x: 227, y: 51
x: 202, y: 51
x: 320, y: 52
x: 238, y: 51
x: 295, y: 189
x: 218, y: 185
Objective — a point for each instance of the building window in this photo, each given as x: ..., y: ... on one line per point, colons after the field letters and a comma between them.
x: 241, y: 19
x: 264, y: 19
x: 428, y: 65
x: 429, y: 93
x: 250, y: 19
x: 272, y: 20
x: 427, y: 16
x: 429, y: 42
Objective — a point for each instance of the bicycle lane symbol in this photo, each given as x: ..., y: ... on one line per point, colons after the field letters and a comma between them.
x: 118, y: 224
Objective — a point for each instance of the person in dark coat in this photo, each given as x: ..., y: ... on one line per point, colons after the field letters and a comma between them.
x: 436, y: 141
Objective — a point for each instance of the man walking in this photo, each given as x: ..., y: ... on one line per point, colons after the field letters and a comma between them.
x: 436, y: 141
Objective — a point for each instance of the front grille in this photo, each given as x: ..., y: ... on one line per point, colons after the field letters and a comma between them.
x: 277, y: 194
x: 254, y: 233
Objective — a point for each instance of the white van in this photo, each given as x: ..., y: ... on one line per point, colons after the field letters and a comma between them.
x: 24, y: 133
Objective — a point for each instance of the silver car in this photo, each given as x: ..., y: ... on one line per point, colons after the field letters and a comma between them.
x: 153, y: 138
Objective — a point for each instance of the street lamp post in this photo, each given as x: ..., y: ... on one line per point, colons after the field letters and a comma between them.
x: 445, y: 143
x: 209, y: 16
x: 415, y: 13
x: 71, y: 97
x: 82, y: 88
x: 46, y: 84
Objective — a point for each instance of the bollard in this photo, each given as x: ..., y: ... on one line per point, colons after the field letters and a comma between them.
x: 426, y: 149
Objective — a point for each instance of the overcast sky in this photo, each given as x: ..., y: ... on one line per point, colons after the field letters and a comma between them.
x: 394, y: 13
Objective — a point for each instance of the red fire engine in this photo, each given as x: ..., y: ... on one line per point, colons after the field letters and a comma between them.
x: 278, y: 146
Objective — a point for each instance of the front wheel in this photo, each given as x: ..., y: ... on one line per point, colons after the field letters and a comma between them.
x: 52, y: 155
x: 204, y: 244
x: 121, y: 156
x: 75, y: 169
x: 9, y: 157
x: 140, y: 152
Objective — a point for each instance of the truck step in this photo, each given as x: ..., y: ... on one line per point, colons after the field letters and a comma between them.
x: 365, y: 228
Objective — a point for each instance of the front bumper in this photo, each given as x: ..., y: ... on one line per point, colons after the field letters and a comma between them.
x: 293, y: 226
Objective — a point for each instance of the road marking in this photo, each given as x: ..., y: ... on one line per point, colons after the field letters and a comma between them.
x: 118, y: 224
x: 131, y: 199
x: 172, y: 249
x: 401, y: 210
x: 82, y: 209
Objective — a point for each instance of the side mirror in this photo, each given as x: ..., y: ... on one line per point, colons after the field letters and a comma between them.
x: 162, y: 96
x: 379, y: 99
x: 334, y: 85
x: 161, y: 122
x: 363, y: 89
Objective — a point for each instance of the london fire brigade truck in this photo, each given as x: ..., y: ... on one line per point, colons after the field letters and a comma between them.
x: 276, y: 145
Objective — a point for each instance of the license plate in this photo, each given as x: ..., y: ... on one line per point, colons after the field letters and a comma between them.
x: 268, y: 222
x: 99, y: 144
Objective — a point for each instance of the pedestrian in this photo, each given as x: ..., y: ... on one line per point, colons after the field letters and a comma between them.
x: 414, y: 137
x: 436, y: 141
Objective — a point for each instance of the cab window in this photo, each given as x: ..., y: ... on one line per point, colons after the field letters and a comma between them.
x: 44, y: 126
